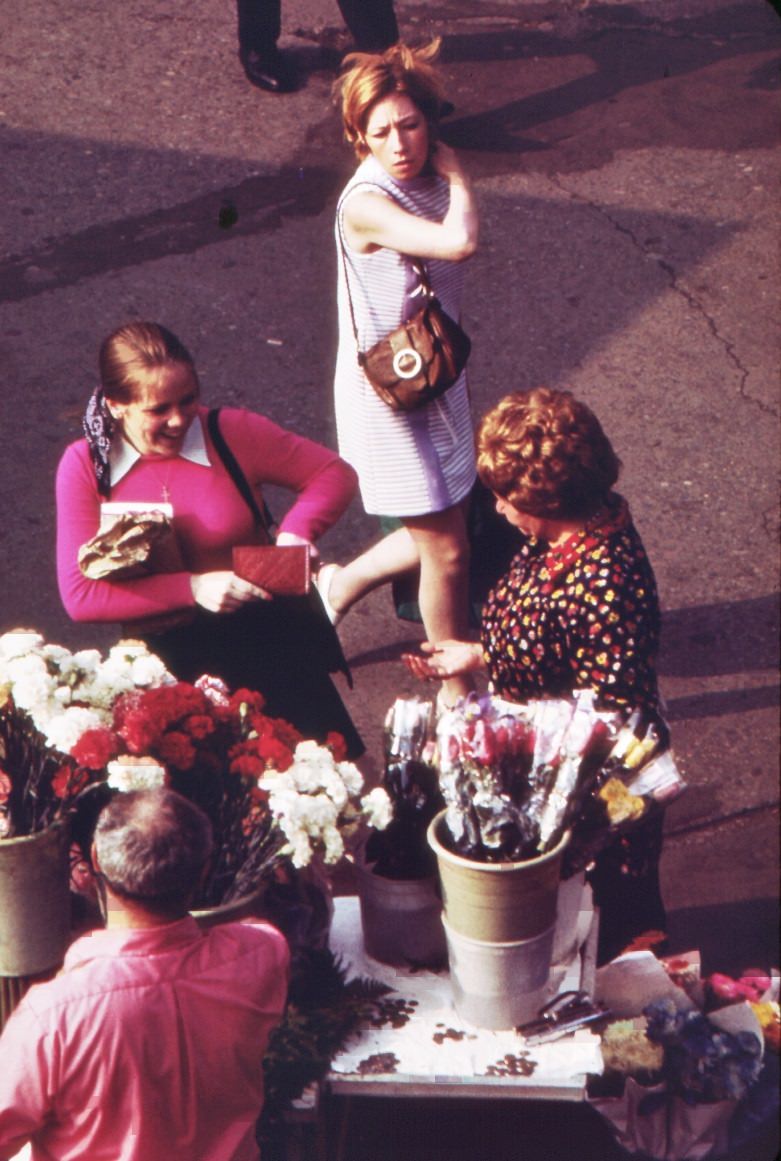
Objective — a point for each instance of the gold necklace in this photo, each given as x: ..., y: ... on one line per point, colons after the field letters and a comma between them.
x: 165, y: 494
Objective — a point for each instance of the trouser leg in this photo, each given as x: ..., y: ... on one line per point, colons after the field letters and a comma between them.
x: 259, y: 25
x: 372, y: 23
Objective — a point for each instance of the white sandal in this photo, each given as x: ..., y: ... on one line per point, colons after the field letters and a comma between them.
x: 323, y: 578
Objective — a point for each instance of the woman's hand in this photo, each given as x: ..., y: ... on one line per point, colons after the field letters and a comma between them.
x: 445, y: 659
x: 290, y: 539
x: 224, y: 592
x: 444, y: 161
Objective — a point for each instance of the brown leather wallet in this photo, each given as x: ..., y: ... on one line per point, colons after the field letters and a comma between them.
x: 285, y: 572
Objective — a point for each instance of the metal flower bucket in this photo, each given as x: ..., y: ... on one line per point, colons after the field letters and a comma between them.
x: 34, y: 901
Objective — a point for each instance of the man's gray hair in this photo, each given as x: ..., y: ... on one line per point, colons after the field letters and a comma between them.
x: 152, y: 846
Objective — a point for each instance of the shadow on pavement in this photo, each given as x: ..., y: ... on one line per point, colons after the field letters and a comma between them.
x: 730, y: 937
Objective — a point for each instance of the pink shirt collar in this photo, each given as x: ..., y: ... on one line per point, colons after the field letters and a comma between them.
x: 132, y: 941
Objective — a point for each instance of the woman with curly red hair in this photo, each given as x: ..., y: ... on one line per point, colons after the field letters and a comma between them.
x: 577, y: 609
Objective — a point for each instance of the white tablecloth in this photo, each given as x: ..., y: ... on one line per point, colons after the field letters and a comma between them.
x: 423, y: 1044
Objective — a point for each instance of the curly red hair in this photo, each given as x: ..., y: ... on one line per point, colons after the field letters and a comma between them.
x: 546, y: 453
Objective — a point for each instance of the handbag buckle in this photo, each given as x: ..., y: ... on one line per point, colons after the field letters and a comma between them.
x: 407, y: 363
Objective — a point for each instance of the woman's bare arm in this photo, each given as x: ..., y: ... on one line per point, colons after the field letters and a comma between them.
x: 373, y: 220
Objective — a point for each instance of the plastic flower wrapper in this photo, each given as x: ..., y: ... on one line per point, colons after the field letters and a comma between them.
x: 484, y: 753
x: 638, y: 776
x: 410, y: 788
x: 711, y: 1061
x: 517, y: 777
x: 581, y: 750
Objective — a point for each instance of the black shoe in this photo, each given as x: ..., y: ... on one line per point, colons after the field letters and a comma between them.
x: 270, y: 71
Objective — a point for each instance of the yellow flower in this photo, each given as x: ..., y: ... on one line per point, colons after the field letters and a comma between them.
x: 619, y: 803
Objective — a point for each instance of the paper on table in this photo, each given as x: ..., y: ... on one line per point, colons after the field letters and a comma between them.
x: 424, y: 1037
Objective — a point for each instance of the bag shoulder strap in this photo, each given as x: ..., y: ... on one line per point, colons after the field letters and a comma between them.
x: 261, y: 515
x: 417, y: 264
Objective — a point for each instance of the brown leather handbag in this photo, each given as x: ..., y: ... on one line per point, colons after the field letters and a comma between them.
x: 419, y: 360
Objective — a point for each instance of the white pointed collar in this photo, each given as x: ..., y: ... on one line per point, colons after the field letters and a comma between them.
x: 123, y: 455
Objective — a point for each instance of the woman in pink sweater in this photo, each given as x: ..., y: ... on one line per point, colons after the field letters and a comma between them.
x: 149, y: 439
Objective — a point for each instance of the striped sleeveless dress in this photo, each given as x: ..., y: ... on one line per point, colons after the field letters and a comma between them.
x: 408, y: 463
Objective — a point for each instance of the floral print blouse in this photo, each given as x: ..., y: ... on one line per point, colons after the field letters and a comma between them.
x: 584, y: 615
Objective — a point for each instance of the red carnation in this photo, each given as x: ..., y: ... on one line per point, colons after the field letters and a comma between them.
x: 96, y: 747
x: 199, y: 726
x: 69, y: 781
x: 337, y: 745
x: 177, y: 750
x: 275, y: 753
x: 250, y: 698
x: 139, y: 731
x: 247, y: 765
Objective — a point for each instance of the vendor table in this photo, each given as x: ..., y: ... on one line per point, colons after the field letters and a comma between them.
x: 420, y: 1046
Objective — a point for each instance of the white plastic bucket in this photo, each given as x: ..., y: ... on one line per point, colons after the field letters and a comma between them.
x: 499, y: 985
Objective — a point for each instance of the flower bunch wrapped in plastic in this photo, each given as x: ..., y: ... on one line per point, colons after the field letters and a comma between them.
x: 685, y: 1076
x: 702, y: 1062
x: 516, y: 777
x: 411, y: 782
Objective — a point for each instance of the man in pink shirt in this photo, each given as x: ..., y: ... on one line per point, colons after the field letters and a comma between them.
x: 148, y: 1046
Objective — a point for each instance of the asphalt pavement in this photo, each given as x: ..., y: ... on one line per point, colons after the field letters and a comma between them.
x: 625, y: 158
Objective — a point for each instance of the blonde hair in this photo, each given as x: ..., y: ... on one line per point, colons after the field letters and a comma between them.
x: 546, y: 453
x: 136, y: 353
x: 369, y: 78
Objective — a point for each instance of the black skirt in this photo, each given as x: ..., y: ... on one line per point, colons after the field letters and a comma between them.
x: 285, y: 649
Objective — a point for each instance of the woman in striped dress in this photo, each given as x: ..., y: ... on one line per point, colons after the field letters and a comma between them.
x: 408, y: 197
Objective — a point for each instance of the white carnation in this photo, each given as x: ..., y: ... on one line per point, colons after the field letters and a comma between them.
x: 351, y: 776
x: 61, y: 697
x: 17, y: 642
x: 31, y: 683
x: 136, y: 777
x: 64, y: 731
x: 334, y: 844
x: 56, y: 655
x: 149, y: 670
x: 378, y: 808
x: 301, y: 851
x: 86, y: 663
x: 335, y: 788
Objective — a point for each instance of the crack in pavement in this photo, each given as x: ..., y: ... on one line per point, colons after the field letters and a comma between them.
x: 679, y: 288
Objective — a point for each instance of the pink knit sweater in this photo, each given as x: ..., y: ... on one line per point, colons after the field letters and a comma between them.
x: 210, y: 516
